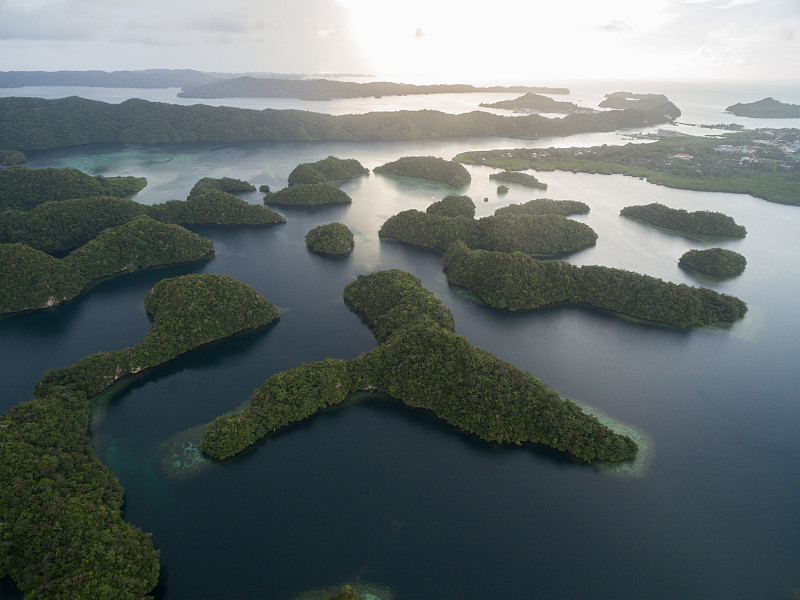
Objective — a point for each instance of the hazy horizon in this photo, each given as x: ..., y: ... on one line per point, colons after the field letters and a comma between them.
x: 510, y: 40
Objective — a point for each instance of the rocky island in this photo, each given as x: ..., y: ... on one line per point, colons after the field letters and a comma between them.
x: 768, y: 108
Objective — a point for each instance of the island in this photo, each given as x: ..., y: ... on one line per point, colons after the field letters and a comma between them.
x: 23, y: 188
x: 326, y: 89
x: 61, y: 507
x: 422, y: 363
x: 546, y: 206
x: 768, y: 108
x: 327, y: 170
x: 759, y: 162
x: 531, y: 102
x: 35, y: 123
x: 308, y: 194
x: 12, y: 157
x: 525, y: 179
x: 430, y: 168
x: 538, y: 234
x: 717, y: 262
x: 59, y: 226
x: 515, y: 281
x: 502, y: 189
x: 453, y: 206
x: 333, y: 238
x: 655, y: 102
x: 702, y: 223
x: 31, y: 279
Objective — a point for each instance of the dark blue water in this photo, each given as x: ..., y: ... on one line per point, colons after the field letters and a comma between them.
x: 375, y: 492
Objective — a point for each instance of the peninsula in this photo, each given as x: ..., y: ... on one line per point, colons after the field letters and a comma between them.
x: 57, y: 498
x: 421, y: 362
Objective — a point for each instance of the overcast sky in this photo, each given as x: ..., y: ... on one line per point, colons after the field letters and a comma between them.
x: 464, y: 41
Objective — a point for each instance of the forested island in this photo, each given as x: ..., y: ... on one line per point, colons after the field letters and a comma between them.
x: 12, y: 157
x: 701, y: 222
x: 515, y: 281
x: 333, y: 238
x: 431, y: 168
x: 756, y: 162
x: 541, y: 233
x: 63, y: 531
x: 546, y: 206
x: 308, y: 194
x: 421, y: 362
x: 525, y: 179
x: 717, y: 262
x: 655, y: 102
x: 31, y: 279
x: 34, y: 123
x: 327, y: 170
x: 768, y: 108
x: 532, y: 102
x: 453, y: 206
x: 58, y: 226
x: 327, y: 89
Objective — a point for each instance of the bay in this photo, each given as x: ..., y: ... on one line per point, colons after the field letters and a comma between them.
x: 379, y: 493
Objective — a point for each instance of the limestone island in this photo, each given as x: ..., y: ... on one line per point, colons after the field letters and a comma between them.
x: 768, y: 108
x: 328, y: 169
x: 758, y: 162
x: 654, y: 102
x: 546, y: 206
x: 430, y: 168
x: 422, y: 363
x: 525, y: 179
x: 57, y: 492
x: 717, y: 262
x: 333, y: 238
x: 702, y: 223
x: 308, y: 194
x: 453, y: 206
x: 531, y: 102
x: 538, y: 234
x: 515, y: 281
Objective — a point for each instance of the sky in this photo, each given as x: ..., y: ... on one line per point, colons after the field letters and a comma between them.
x: 437, y: 40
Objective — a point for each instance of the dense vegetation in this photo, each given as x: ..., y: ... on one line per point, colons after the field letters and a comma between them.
x: 525, y: 179
x: 757, y: 162
x: 700, y: 222
x: 22, y: 188
x: 533, y: 234
x: 327, y: 169
x: 453, y: 206
x: 31, y: 279
x: 718, y: 262
x: 326, y: 89
x: 431, y: 168
x: 34, y: 123
x: 63, y: 535
x: 308, y: 194
x: 421, y: 362
x: 655, y: 102
x: 515, y: 281
x: 502, y: 189
x: 12, y: 157
x: 333, y: 238
x: 546, y: 206
x: 536, y: 102
x: 768, y: 108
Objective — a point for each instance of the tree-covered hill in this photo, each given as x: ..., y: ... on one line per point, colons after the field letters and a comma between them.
x: 717, y: 262
x: 327, y: 170
x: 700, y: 222
x: 431, y: 168
x: 308, y: 194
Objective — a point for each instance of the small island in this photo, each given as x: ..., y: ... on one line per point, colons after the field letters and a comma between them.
x: 31, y: 279
x: 531, y: 102
x: 502, y: 189
x: 430, y: 168
x: 698, y: 223
x: 453, y: 206
x: 422, y: 363
x: 546, y: 206
x: 525, y: 179
x: 12, y: 157
x: 308, y: 194
x: 333, y: 238
x: 515, y: 281
x: 768, y: 108
x: 56, y: 491
x: 717, y: 262
x: 537, y: 234
x: 327, y: 170
x: 654, y: 102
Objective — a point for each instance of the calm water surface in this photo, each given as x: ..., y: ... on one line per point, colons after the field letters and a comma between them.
x: 378, y: 493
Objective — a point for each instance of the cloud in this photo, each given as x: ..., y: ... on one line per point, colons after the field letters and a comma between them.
x: 615, y: 26
x: 735, y: 3
x: 710, y: 56
x: 419, y: 34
